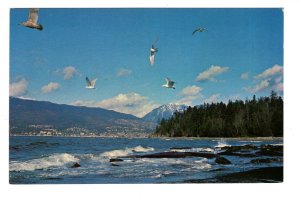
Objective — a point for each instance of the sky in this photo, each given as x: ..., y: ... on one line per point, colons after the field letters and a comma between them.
x: 240, y: 55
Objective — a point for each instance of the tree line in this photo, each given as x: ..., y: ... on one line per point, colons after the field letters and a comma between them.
x: 262, y: 117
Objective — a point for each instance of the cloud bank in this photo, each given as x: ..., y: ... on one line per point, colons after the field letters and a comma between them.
x: 130, y: 103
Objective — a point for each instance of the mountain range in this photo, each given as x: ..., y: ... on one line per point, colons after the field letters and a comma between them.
x: 164, y: 111
x: 31, y: 115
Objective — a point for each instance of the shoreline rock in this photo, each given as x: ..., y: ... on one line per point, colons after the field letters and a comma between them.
x: 222, y: 161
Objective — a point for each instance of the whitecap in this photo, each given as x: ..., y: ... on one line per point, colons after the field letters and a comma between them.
x: 199, y: 149
x: 117, y: 153
x: 222, y: 143
x: 142, y: 149
x: 126, y: 152
x: 56, y: 160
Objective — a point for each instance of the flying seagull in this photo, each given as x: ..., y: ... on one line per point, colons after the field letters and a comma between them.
x: 90, y: 84
x: 152, y: 51
x: 199, y: 30
x: 169, y: 83
x: 32, y: 19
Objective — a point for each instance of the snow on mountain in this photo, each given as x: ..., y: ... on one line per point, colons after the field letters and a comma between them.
x: 164, y: 111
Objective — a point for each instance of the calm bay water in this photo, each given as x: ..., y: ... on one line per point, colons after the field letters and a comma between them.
x: 44, y: 160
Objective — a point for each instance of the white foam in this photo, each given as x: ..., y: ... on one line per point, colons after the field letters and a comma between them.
x: 222, y: 143
x: 201, y: 161
x: 55, y: 160
x: 278, y: 144
x: 142, y: 149
x: 193, y: 150
x: 126, y: 152
x: 117, y: 153
x: 202, y: 166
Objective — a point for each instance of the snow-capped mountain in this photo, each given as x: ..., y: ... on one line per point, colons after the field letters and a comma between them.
x: 164, y: 111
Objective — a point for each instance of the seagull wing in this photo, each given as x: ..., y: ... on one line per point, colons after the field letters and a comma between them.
x: 199, y: 30
x: 195, y: 31
x: 93, y: 82
x: 171, y: 83
x: 33, y: 15
x: 168, y: 80
x: 152, y: 59
x: 88, y: 82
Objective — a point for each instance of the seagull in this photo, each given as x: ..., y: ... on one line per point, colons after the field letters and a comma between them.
x: 152, y: 51
x: 199, y: 30
x: 90, y: 84
x: 169, y: 84
x: 32, y: 20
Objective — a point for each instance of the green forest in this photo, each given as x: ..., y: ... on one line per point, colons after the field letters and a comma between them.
x: 262, y: 117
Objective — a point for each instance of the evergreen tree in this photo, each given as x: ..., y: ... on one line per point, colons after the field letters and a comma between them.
x: 257, y: 117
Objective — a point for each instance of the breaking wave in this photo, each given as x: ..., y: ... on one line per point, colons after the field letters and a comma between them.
x: 193, y: 150
x: 56, y: 160
x: 126, y: 152
x: 221, y: 144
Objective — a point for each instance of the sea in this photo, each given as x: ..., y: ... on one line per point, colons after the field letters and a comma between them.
x: 50, y: 160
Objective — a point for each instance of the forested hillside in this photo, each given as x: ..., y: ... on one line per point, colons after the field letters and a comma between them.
x: 261, y: 117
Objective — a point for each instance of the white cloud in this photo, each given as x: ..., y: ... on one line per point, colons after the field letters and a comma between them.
x: 123, y: 72
x: 209, y: 74
x: 69, y: 72
x: 18, y: 88
x: 50, y: 87
x: 270, y: 79
x: 189, y: 95
x: 275, y: 70
x: 262, y: 85
x: 212, y: 99
x: 278, y: 88
x: 188, y: 100
x: 83, y: 103
x: 245, y: 76
x: 191, y: 90
x: 130, y: 103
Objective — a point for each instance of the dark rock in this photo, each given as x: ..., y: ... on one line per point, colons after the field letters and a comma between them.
x: 266, y: 160
x: 176, y: 155
x: 262, y: 175
x: 270, y: 150
x: 115, y: 160
x: 113, y: 164
x: 271, y: 147
x: 248, y: 147
x: 179, y: 148
x: 222, y: 160
x: 230, y: 153
x: 239, y: 150
x: 76, y: 165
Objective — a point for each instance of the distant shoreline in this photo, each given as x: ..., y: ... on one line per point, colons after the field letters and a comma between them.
x: 167, y: 138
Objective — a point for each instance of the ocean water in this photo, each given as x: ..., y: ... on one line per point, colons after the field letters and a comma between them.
x: 49, y: 160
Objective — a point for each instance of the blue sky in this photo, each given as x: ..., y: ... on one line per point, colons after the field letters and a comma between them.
x: 241, y: 54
